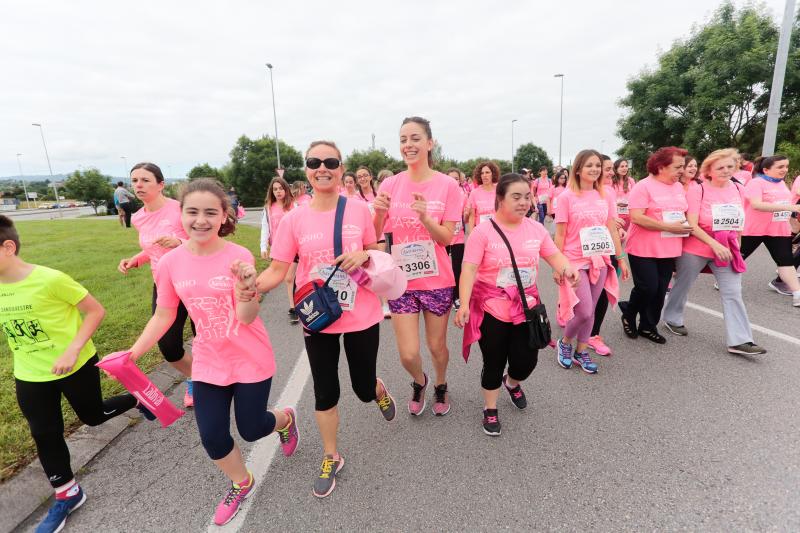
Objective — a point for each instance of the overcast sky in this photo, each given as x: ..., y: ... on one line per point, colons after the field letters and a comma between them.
x: 177, y: 82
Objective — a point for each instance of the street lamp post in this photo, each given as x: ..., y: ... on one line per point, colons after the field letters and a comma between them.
x: 776, y: 90
x: 22, y: 177
x: 49, y: 166
x: 512, y: 144
x: 561, y: 119
x: 274, y: 114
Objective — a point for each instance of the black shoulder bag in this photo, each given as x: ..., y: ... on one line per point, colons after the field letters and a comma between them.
x: 539, y: 332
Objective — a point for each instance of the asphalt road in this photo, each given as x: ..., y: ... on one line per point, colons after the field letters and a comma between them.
x: 680, y: 436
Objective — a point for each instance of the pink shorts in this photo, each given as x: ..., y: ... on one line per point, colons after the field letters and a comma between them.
x: 436, y: 301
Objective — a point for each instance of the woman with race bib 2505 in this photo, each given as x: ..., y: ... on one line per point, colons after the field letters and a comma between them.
x: 419, y: 208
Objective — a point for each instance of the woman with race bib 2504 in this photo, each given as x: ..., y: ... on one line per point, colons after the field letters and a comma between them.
x: 716, y: 214
x: 308, y: 232
x: 419, y: 208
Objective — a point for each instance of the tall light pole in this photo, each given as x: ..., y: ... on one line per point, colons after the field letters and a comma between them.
x: 49, y: 166
x: 776, y: 91
x: 274, y: 114
x: 124, y: 162
x: 561, y: 119
x: 602, y: 146
x: 22, y: 177
x: 512, y: 144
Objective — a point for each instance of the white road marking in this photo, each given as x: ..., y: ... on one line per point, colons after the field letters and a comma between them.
x: 755, y: 327
x: 263, y: 452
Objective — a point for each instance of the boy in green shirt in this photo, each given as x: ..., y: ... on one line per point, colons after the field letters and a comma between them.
x: 40, y: 312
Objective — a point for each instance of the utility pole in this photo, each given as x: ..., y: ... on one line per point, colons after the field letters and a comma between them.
x: 776, y: 91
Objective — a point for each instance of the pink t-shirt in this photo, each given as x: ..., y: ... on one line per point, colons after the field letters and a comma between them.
x: 583, y: 210
x: 701, y: 200
x: 444, y: 205
x: 744, y: 176
x: 622, y: 197
x: 486, y: 248
x: 225, y: 350
x: 556, y: 193
x: 458, y: 232
x: 482, y: 201
x: 796, y: 190
x: 276, y: 214
x: 368, y: 196
x: 656, y: 198
x: 541, y: 187
x: 309, y: 234
x: 152, y: 225
x: 303, y: 199
x: 761, y: 222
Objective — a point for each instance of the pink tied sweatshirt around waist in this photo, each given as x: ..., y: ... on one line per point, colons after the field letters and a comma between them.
x: 567, y: 299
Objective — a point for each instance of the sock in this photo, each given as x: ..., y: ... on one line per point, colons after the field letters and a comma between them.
x: 68, y: 490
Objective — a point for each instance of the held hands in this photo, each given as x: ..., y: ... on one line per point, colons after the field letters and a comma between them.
x: 168, y: 242
x: 462, y: 316
x: 245, y: 288
x: 127, y: 264
x: 569, y: 274
x: 382, y: 202
x: 66, y: 362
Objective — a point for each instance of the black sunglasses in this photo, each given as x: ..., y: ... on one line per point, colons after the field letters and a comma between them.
x: 330, y: 163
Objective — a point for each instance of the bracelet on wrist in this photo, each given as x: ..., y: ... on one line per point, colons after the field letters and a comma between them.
x: 623, y: 255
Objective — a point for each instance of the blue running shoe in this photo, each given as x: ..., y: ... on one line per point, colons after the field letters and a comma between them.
x: 564, y: 354
x: 585, y: 361
x: 57, y: 515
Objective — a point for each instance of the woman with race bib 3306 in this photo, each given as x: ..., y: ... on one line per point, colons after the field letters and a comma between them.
x: 419, y: 208
x: 716, y: 214
x: 308, y: 232
x: 586, y: 233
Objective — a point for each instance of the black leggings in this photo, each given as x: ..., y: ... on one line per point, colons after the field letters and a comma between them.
x: 651, y: 277
x: 602, y: 305
x: 780, y: 248
x: 456, y: 252
x: 361, y: 350
x: 40, y: 403
x: 504, y: 343
x: 171, y: 344
x: 212, y: 410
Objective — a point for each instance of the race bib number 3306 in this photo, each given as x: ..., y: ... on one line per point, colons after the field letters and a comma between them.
x: 416, y: 259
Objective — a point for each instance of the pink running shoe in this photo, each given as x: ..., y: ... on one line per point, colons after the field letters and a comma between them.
x: 597, y: 344
x: 416, y: 405
x: 441, y: 400
x: 232, y: 501
x: 289, y: 435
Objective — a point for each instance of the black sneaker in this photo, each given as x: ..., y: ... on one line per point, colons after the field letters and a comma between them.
x: 491, y: 422
x: 681, y: 331
x: 293, y: 316
x: 748, y: 348
x: 654, y: 336
x: 516, y: 394
x: 326, y: 480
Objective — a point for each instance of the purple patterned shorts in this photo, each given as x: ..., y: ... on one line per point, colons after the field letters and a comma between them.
x: 436, y: 301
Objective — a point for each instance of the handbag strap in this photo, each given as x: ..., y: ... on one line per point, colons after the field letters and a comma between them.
x: 337, y: 234
x: 520, y: 288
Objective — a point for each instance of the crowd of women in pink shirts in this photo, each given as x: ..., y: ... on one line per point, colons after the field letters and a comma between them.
x: 473, y: 245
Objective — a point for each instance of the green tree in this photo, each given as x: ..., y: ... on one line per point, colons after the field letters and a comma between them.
x: 89, y: 186
x: 253, y: 164
x: 468, y: 166
x: 375, y: 160
x: 531, y: 157
x: 711, y: 90
x: 205, y: 171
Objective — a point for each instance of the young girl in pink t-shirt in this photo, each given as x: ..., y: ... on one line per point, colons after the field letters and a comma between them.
x: 492, y: 313
x: 768, y: 208
x: 307, y: 232
x: 160, y: 230
x: 278, y: 203
x: 419, y: 208
x: 586, y: 233
x: 623, y: 183
x: 233, y: 360
x: 480, y: 203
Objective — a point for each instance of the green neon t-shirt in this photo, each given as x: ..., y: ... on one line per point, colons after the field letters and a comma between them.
x: 40, y: 319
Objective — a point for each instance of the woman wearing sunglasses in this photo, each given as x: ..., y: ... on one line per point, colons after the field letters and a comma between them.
x: 419, y: 208
x: 307, y: 232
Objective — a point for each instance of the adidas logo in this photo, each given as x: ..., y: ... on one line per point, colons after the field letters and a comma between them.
x: 308, y: 308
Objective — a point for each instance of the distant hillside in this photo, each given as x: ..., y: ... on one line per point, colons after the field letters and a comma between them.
x: 60, y: 178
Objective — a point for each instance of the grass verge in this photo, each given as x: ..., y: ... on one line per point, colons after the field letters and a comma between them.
x: 89, y: 250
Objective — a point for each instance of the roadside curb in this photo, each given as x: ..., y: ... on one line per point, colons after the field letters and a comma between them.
x: 23, y: 494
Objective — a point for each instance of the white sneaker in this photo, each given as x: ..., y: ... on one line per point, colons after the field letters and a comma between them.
x: 796, y: 300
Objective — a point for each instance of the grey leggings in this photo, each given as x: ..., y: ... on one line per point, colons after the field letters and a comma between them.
x: 688, y: 266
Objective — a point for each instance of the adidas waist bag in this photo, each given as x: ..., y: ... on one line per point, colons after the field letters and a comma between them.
x: 317, y: 305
